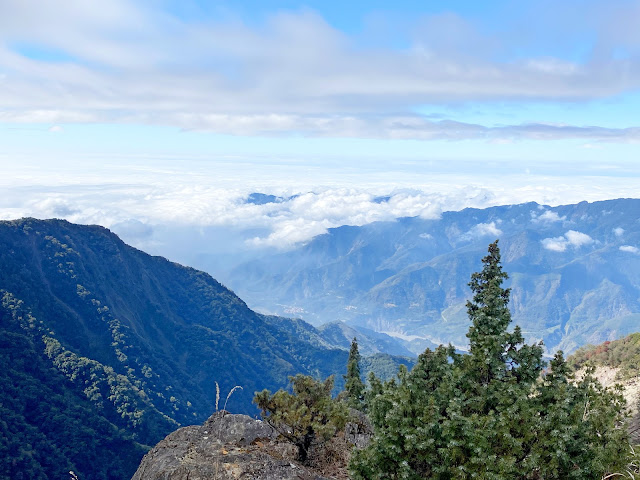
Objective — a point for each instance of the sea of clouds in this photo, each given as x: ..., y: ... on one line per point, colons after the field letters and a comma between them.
x: 165, y: 211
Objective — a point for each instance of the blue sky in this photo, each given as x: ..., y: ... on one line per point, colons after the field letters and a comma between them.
x: 530, y: 100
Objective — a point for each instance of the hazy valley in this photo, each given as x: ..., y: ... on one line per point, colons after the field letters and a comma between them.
x: 574, y: 273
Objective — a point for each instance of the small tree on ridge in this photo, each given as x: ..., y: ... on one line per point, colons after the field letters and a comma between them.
x: 354, y: 387
x: 306, y: 416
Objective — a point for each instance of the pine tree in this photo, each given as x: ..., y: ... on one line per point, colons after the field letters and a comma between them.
x: 306, y: 416
x: 353, y: 386
x: 408, y: 416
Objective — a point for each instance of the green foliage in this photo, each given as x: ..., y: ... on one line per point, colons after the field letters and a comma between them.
x: 306, y: 416
x: 353, y: 384
x: 47, y: 425
x: 580, y: 430
x: 490, y: 414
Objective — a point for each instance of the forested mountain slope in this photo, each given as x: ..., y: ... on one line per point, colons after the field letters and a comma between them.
x: 102, y: 341
x: 48, y: 426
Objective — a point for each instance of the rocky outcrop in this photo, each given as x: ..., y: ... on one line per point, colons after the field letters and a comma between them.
x: 225, y: 447
x: 359, y: 431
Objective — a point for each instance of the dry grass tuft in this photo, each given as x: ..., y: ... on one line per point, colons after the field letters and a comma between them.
x: 237, y: 387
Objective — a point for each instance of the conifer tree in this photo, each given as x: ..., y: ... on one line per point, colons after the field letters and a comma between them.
x: 353, y: 386
x: 497, y: 379
x: 496, y: 353
x: 490, y: 317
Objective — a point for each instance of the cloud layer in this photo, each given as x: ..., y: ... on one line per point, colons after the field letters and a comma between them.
x: 137, y: 210
x: 133, y: 211
x: 293, y: 72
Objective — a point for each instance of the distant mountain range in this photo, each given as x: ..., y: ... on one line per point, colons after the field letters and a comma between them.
x: 105, y: 350
x: 574, y: 273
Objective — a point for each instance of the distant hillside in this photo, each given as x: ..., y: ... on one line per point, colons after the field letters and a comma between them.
x: 616, y: 362
x: 622, y: 354
x: 339, y: 334
x: 105, y: 347
x: 574, y: 273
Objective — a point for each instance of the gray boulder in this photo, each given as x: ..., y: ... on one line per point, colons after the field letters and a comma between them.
x: 225, y: 447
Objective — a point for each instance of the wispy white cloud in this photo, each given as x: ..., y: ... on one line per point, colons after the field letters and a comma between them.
x: 618, y: 231
x: 630, y: 249
x: 572, y: 238
x: 199, y: 194
x: 336, y: 125
x: 133, y: 211
x: 136, y: 210
x: 310, y: 214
